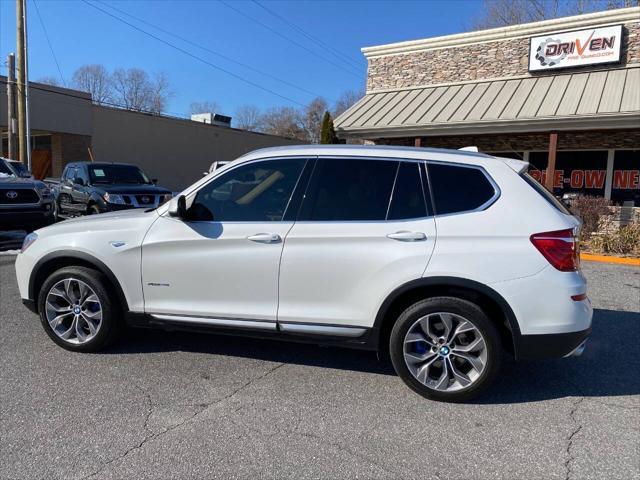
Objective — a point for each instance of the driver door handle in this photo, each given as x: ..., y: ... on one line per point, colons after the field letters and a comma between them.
x: 265, y: 238
x: 404, y: 236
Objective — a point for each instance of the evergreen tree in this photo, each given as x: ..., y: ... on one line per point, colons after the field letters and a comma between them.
x: 328, y: 133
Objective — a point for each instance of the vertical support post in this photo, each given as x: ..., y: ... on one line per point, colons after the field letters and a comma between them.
x: 608, y: 183
x: 12, y: 125
x: 551, y: 166
x: 21, y: 46
x: 417, y: 142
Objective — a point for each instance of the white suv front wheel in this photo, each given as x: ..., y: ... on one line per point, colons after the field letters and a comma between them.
x: 445, y: 348
x: 77, y: 309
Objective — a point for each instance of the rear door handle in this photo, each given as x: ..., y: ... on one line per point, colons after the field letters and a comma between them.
x: 404, y: 236
x: 265, y: 238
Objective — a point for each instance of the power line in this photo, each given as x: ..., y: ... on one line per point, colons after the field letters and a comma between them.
x: 288, y: 39
x: 337, y: 53
x: 194, y: 56
x: 46, y: 35
x: 206, y: 49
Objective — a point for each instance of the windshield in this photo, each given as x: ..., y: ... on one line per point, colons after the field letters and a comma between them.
x: 117, y: 174
x: 6, y: 170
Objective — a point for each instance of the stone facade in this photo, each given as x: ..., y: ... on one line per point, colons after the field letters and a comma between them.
x: 499, y: 59
x: 520, y: 142
x: 618, y: 217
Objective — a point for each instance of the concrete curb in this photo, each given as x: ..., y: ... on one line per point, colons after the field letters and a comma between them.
x: 589, y: 257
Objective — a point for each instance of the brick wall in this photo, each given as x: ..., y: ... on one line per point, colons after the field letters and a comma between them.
x: 65, y: 148
x: 505, y: 58
x: 596, y: 140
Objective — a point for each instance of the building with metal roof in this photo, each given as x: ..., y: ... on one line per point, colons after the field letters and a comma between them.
x: 563, y: 94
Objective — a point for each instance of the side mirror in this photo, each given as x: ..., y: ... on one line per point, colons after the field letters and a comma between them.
x: 178, y: 207
x: 25, y: 175
x: 78, y: 181
x: 154, y: 181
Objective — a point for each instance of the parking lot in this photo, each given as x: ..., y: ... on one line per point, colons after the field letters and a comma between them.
x: 180, y: 405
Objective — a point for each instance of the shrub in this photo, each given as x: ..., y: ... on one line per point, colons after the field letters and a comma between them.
x: 590, y: 210
x: 625, y: 241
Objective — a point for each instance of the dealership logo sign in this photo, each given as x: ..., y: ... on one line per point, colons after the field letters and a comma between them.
x: 573, y: 49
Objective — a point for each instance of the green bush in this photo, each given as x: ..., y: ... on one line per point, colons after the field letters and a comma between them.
x: 625, y: 241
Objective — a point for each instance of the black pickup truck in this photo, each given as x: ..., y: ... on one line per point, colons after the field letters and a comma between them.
x: 86, y: 188
x: 25, y: 203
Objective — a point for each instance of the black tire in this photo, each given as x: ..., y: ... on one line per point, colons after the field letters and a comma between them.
x: 472, y: 313
x: 56, y: 211
x: 111, y: 324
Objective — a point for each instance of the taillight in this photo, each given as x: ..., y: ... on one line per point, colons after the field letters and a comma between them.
x: 560, y: 248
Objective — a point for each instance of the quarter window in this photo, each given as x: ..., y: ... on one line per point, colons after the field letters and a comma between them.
x: 257, y: 192
x: 408, y: 195
x: 458, y: 189
x: 351, y: 189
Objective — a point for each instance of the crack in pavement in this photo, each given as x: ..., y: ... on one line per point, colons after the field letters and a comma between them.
x: 150, y: 435
x: 577, y: 427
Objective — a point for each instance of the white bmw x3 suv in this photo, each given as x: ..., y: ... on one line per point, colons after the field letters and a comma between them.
x: 444, y: 259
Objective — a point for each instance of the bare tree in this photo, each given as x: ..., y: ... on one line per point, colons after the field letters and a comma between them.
x: 135, y: 90
x: 311, y: 119
x: 248, y: 117
x: 346, y: 100
x: 160, y: 93
x: 283, y: 121
x: 501, y: 13
x: 49, y: 80
x: 204, y: 107
x: 96, y: 80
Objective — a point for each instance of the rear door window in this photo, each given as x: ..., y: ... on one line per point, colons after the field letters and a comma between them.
x: 350, y: 190
x: 458, y: 188
x: 408, y: 194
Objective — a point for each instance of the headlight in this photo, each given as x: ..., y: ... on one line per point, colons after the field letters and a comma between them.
x: 113, y: 198
x: 28, y: 240
x: 45, y: 192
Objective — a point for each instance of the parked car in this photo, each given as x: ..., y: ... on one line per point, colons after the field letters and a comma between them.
x: 25, y: 203
x: 87, y: 188
x: 20, y: 168
x: 444, y: 259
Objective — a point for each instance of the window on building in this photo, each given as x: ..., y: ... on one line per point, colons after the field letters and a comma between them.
x: 458, y: 189
x: 578, y: 171
x: 625, y: 187
x: 350, y: 189
x: 257, y: 192
x: 408, y: 195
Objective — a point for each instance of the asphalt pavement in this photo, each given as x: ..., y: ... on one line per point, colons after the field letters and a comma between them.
x: 164, y: 405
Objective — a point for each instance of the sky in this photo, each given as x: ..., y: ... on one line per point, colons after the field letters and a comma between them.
x: 311, y: 45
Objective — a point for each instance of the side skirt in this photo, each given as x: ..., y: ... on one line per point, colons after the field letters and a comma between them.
x: 320, y: 334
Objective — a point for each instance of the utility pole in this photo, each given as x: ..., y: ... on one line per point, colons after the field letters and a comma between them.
x: 12, y: 125
x: 24, y: 147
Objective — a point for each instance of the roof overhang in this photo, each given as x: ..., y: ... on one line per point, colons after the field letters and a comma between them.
x: 594, y: 122
x: 581, y: 100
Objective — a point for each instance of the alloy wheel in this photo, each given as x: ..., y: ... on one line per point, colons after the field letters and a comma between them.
x: 445, y: 351
x: 73, y: 311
